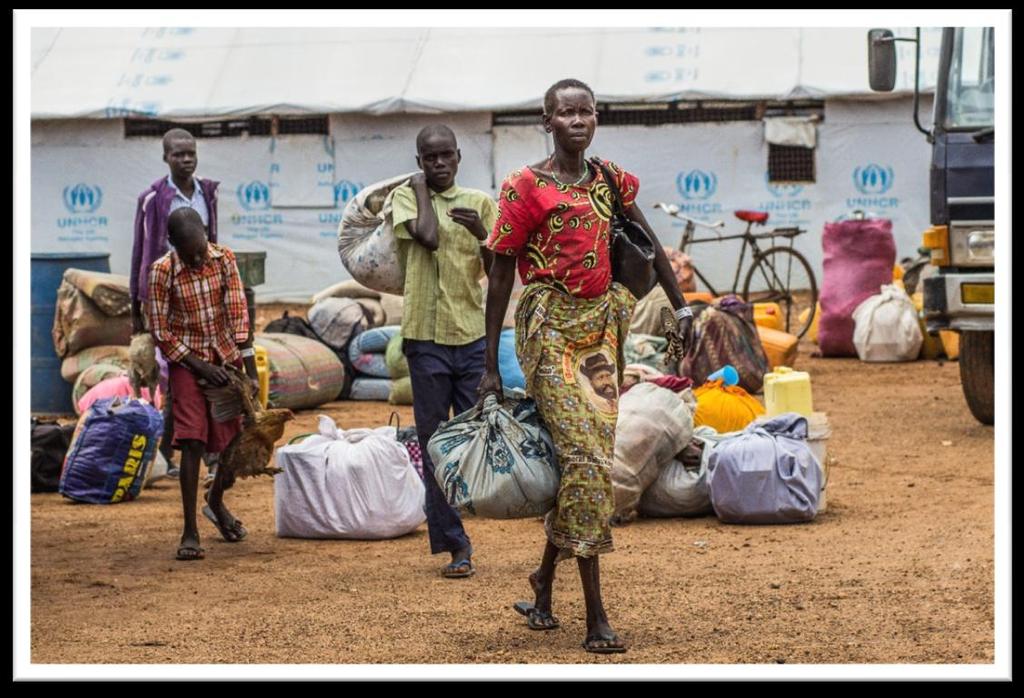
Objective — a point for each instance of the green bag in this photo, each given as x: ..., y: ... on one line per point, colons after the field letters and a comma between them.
x: 398, y: 366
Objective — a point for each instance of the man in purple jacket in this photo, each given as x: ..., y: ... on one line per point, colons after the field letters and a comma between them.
x: 179, y: 189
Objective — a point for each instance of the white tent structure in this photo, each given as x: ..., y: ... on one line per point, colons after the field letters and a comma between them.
x: 374, y: 89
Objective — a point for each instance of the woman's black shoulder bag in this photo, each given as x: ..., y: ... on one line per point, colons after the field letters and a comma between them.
x: 632, y: 250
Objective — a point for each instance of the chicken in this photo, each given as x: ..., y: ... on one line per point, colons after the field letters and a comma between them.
x: 144, y: 371
x: 249, y: 454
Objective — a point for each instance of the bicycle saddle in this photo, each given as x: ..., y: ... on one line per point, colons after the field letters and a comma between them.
x: 759, y: 217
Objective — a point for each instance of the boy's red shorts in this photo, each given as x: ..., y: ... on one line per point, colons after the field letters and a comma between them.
x: 192, y: 419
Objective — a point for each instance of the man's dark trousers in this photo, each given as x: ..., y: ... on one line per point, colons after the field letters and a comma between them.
x: 444, y: 378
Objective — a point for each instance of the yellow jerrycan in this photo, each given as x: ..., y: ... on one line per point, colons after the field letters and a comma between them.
x: 786, y: 390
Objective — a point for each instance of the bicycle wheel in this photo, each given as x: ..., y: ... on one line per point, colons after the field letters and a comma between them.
x: 782, y: 275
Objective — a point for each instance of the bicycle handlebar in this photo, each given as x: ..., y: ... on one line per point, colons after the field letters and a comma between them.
x: 673, y: 210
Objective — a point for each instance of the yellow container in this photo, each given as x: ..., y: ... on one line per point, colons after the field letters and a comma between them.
x: 931, y: 347
x: 779, y: 347
x: 263, y: 373
x: 768, y: 315
x: 818, y: 433
x: 786, y: 390
x: 812, y: 331
x: 950, y: 343
x: 699, y: 296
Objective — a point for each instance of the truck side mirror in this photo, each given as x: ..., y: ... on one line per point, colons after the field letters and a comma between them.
x: 881, y: 60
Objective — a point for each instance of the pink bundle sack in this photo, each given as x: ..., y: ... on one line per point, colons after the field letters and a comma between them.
x: 859, y: 258
x: 119, y: 386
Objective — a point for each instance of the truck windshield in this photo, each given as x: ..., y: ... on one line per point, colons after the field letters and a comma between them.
x: 970, y: 101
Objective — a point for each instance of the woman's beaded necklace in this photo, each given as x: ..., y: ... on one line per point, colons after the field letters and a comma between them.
x: 586, y: 172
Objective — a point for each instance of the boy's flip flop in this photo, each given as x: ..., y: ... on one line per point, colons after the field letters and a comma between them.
x: 535, y: 619
x: 234, y: 534
x: 591, y: 645
x: 190, y: 552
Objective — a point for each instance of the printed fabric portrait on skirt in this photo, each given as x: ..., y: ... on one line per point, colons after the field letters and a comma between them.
x: 571, y: 323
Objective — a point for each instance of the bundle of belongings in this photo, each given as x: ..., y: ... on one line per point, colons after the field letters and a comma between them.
x: 367, y: 354
x: 725, y: 407
x: 355, y: 483
x: 93, y: 309
x: 366, y: 240
x: 682, y: 485
x: 886, y: 327
x: 766, y: 474
x: 50, y: 442
x: 497, y: 460
x: 859, y: 259
x: 724, y: 333
x: 304, y: 372
x: 92, y: 331
x: 113, y: 446
x: 654, y: 425
x: 398, y: 370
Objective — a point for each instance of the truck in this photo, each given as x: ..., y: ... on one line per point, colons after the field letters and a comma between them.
x: 960, y: 296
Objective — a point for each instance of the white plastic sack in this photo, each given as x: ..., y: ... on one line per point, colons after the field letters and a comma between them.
x: 680, y: 490
x: 336, y: 320
x: 766, y: 474
x: 886, y: 327
x: 366, y: 241
x: 357, y: 483
x: 497, y: 461
x: 654, y: 425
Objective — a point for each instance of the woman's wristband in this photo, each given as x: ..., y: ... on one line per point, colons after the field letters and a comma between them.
x: 683, y: 312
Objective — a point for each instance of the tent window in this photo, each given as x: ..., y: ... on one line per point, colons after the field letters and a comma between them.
x: 788, y: 163
x: 658, y: 113
x: 230, y: 128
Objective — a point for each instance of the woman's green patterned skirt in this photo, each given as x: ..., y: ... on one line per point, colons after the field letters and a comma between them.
x: 570, y: 350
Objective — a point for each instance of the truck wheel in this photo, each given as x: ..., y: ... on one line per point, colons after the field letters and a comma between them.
x: 977, y: 373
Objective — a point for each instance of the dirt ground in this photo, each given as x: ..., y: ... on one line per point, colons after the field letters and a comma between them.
x: 899, y: 569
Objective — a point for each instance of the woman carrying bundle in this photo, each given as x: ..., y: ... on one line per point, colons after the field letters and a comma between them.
x: 571, y: 321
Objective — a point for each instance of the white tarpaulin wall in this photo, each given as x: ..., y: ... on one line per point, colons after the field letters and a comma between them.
x: 869, y: 157
x: 286, y: 195
x: 107, y: 171
x: 208, y: 72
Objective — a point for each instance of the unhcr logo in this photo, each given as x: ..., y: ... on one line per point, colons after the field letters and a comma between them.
x: 782, y: 190
x: 254, y: 195
x: 873, y: 179
x: 344, y: 190
x: 697, y: 184
x: 82, y: 198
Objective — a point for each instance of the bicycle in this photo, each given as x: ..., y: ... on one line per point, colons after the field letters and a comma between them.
x: 779, y: 273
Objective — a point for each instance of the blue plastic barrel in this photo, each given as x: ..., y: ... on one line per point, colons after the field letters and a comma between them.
x: 51, y: 393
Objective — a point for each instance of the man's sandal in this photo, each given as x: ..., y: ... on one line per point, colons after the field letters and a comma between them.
x: 459, y: 569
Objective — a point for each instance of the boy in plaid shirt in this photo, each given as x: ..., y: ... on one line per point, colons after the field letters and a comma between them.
x: 200, y: 321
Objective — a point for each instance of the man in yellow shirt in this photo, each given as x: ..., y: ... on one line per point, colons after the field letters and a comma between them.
x: 441, y: 228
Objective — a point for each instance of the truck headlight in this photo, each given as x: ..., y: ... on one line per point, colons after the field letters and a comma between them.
x: 972, y: 245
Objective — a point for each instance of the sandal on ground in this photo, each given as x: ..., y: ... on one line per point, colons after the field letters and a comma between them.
x: 190, y: 552
x: 604, y: 645
x: 232, y: 534
x: 535, y: 618
x: 458, y: 569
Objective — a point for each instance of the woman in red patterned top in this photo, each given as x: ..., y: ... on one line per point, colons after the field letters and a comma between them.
x: 571, y: 321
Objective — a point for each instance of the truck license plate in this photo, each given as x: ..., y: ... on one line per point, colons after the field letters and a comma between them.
x: 978, y: 293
